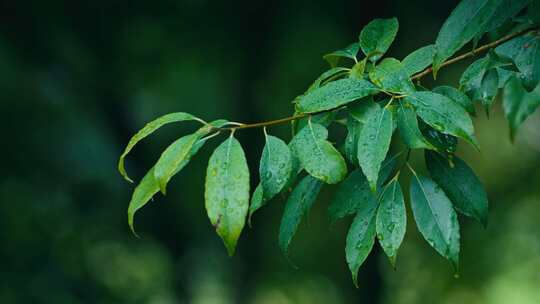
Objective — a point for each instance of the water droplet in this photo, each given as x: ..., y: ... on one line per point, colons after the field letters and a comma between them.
x: 372, y: 136
x: 282, y: 165
x: 268, y: 174
x: 391, y: 227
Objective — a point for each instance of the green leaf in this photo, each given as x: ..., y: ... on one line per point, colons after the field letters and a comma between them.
x: 257, y: 201
x: 227, y: 191
x: 354, y: 192
x: 443, y: 143
x: 361, y: 109
x: 465, y: 22
x: 489, y: 88
x: 391, y: 222
x: 348, y: 52
x: 144, y: 191
x: 373, y: 144
x: 335, y: 94
x: 298, y: 205
x: 505, y: 11
x: 275, y: 166
x: 457, y: 96
x: 408, y: 128
x: 377, y: 36
x: 443, y: 114
x: 460, y: 184
x: 327, y: 76
x: 176, y: 157
x: 351, y: 140
x: 317, y: 156
x: 358, y: 69
x: 324, y: 119
x: 525, y: 52
x: 533, y: 11
x: 518, y: 104
x: 391, y: 76
x: 360, y: 239
x: 418, y: 60
x: 148, y: 129
x: 471, y: 79
x: 435, y: 217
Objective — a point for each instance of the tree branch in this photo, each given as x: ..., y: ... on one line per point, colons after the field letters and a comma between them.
x: 417, y: 76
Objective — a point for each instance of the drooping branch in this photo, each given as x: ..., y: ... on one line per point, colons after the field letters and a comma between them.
x: 417, y: 76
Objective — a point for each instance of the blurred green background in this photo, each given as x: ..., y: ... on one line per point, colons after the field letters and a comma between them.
x: 78, y: 78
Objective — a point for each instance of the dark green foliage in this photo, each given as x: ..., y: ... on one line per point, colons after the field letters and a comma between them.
x: 372, y: 97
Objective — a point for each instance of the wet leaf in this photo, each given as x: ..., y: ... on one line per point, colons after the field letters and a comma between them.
x: 435, y: 217
x: 465, y: 22
x: 418, y: 60
x: 390, y: 75
x: 317, y: 156
x: 227, y: 191
x: 518, y: 104
x: 443, y: 114
x: 391, y: 222
x: 457, y: 96
x: 377, y: 36
x: 354, y: 192
x: 460, y: 184
x: 176, y: 157
x: 525, y: 52
x: 348, y: 52
x: 148, y: 129
x: 144, y: 191
x: 408, y: 128
x: 275, y: 166
x: 360, y: 239
x: 335, y: 94
x: 373, y: 144
x: 298, y: 205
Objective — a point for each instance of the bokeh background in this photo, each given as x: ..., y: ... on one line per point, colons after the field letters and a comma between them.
x: 78, y: 78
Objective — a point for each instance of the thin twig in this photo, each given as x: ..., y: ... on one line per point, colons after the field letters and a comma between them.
x: 419, y: 75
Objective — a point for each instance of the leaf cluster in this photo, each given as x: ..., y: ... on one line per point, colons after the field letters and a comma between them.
x: 374, y: 98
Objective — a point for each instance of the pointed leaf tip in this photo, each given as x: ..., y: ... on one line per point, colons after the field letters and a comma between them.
x: 227, y: 191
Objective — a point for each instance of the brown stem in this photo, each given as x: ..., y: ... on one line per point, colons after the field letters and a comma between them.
x: 475, y: 52
x: 419, y: 75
